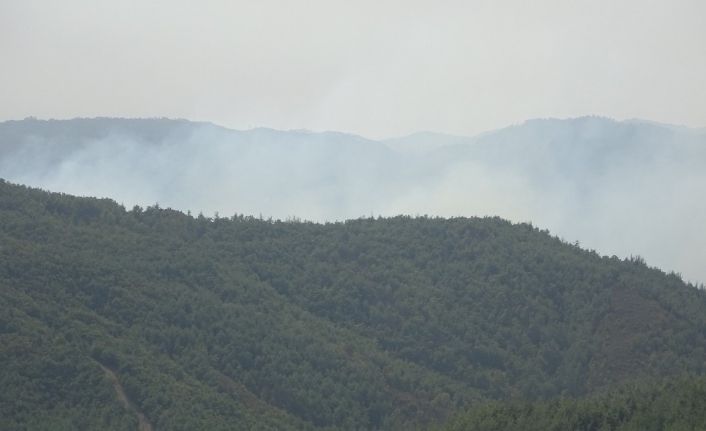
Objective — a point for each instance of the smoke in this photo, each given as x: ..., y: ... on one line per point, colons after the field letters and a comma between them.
x: 623, y: 188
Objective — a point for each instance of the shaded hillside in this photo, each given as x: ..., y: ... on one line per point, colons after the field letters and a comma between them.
x: 672, y: 405
x: 372, y: 323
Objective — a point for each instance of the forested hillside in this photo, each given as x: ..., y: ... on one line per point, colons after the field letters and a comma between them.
x: 243, y: 323
x: 677, y: 404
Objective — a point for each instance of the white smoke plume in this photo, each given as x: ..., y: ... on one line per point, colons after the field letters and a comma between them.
x: 623, y: 188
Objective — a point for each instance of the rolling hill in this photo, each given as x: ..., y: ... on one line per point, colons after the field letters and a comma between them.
x: 372, y: 323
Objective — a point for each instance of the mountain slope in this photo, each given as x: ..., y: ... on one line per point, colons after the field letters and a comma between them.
x: 374, y: 323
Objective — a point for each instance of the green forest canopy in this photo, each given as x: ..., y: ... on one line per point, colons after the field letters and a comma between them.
x: 242, y: 323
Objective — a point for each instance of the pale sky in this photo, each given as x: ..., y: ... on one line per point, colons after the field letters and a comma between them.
x: 376, y: 68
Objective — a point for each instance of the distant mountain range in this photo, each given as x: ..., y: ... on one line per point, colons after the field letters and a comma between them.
x: 620, y: 187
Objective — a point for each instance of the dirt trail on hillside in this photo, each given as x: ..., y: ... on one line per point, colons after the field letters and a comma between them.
x: 143, y: 423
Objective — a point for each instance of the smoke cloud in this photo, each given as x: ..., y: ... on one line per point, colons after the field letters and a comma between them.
x: 623, y: 188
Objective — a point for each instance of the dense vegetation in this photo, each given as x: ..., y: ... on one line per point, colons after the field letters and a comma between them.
x: 673, y: 405
x: 241, y: 323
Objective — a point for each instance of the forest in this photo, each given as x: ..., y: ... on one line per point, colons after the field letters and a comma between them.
x: 673, y: 404
x: 240, y: 322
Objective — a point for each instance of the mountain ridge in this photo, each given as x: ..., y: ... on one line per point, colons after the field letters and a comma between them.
x: 585, y: 179
x: 430, y: 133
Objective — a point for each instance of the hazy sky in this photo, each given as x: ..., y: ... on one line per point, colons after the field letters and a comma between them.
x: 377, y: 68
